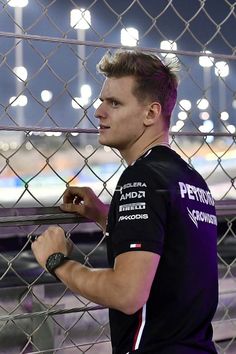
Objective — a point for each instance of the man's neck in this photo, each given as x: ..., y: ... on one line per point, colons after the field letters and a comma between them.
x: 133, y: 153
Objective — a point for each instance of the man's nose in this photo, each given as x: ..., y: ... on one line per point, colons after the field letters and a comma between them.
x: 100, y: 112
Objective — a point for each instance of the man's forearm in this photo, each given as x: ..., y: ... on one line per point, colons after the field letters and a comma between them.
x: 101, y: 286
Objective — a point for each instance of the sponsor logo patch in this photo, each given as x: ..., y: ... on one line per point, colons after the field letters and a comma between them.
x: 133, y: 217
x: 195, y: 193
x: 197, y: 215
x: 133, y: 195
x: 132, y: 206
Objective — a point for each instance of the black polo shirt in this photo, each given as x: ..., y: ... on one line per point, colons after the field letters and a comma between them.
x: 163, y: 205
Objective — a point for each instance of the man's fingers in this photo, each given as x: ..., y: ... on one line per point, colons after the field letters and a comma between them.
x: 72, y: 208
x: 74, y: 192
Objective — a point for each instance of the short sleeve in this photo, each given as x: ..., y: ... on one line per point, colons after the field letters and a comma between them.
x: 141, y: 205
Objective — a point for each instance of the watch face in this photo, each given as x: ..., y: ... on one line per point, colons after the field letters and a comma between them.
x: 54, y: 261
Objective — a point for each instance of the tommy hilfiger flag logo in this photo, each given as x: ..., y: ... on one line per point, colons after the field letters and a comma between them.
x: 135, y: 245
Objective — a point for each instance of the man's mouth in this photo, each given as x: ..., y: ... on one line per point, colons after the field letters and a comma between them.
x: 103, y: 127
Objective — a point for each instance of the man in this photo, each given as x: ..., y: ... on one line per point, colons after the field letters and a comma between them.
x: 161, y: 287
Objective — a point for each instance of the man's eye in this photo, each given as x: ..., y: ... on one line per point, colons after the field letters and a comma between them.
x: 114, y: 103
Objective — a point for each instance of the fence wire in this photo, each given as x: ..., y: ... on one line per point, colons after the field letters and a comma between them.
x: 48, y: 140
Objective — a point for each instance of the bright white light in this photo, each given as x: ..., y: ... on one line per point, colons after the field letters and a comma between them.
x: 97, y: 103
x: 79, y: 102
x: 18, y: 3
x: 28, y: 145
x: 53, y: 133
x: 13, y: 145
x: 129, y: 36
x: 204, y: 115
x: 185, y: 105
x: 46, y: 95
x: 221, y: 69
x: 206, y: 61
x: 202, y: 103
x: 231, y: 128
x: 182, y: 115
x: 80, y: 19
x: 21, y: 101
x: 234, y: 103
x: 174, y: 128
x: 85, y: 91
x: 74, y: 134
x: 168, y: 45
x: 107, y: 148
x: 13, y: 101
x: 5, y: 146
x: 208, y: 125
x: 89, y: 148
x: 179, y: 124
x: 21, y: 73
x: 224, y: 115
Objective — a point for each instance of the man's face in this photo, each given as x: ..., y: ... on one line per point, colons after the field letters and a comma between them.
x: 121, y: 115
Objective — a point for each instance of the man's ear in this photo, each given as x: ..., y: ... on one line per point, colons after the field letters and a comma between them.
x: 153, y: 114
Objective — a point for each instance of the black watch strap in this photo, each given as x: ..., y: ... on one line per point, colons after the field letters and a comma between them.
x: 54, y: 261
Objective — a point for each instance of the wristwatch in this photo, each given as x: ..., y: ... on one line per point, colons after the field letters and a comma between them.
x: 54, y: 261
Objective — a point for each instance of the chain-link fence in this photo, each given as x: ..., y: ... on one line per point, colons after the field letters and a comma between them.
x: 45, y: 317
x: 48, y: 140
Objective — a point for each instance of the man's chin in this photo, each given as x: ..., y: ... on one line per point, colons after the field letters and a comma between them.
x: 106, y: 142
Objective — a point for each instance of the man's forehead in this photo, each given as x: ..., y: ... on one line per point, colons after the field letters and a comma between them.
x: 113, y: 86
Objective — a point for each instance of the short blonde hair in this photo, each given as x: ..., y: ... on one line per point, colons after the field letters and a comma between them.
x: 155, y: 80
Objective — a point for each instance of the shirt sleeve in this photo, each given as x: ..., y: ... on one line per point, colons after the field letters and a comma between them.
x: 141, y: 212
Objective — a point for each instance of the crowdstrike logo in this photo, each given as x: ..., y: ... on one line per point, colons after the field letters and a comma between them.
x: 196, y: 216
x: 190, y: 214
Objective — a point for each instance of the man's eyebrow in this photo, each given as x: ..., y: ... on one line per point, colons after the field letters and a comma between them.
x: 109, y: 99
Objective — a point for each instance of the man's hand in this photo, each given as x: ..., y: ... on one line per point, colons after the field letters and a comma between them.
x: 51, y: 241
x: 83, y: 201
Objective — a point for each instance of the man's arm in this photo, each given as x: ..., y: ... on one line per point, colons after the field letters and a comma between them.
x: 126, y: 287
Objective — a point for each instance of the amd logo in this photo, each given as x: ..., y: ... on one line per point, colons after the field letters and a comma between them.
x: 133, y: 195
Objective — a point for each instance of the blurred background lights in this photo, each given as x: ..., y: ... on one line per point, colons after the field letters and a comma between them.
x: 202, y: 103
x: 21, y: 73
x: 79, y: 102
x: 185, y: 105
x: 21, y: 101
x: 206, y: 61
x: 86, y: 91
x: 179, y: 124
x: 231, y: 128
x: 182, y: 115
x: 204, y: 115
x: 80, y: 19
x: 208, y: 126
x: 17, y: 3
x: 46, y: 95
x: 89, y: 148
x: 97, y: 103
x: 129, y: 36
x: 168, y: 45
x: 224, y: 115
x: 221, y: 69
